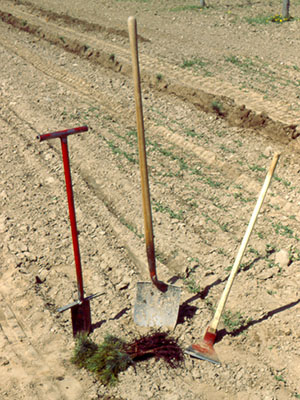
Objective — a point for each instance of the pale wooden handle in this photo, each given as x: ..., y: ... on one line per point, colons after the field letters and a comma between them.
x: 132, y: 28
x: 214, y: 323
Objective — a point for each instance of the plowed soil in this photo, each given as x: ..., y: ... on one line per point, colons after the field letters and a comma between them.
x: 220, y: 97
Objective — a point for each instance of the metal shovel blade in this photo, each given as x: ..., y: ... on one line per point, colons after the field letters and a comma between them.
x: 154, y: 308
x: 81, y: 317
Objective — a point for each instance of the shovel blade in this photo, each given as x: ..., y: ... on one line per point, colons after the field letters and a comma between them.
x: 81, y: 317
x: 154, y: 308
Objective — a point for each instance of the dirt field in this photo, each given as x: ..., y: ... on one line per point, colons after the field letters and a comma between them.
x: 221, y: 89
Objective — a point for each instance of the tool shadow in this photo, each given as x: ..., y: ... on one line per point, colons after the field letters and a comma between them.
x: 120, y: 314
x: 187, y: 311
x: 223, y: 332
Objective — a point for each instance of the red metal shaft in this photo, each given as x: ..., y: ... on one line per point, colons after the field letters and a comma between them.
x: 66, y: 162
x: 63, y: 135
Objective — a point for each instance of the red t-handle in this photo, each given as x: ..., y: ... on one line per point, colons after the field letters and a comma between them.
x: 62, y: 134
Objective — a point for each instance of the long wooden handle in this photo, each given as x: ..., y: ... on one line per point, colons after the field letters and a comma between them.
x: 132, y: 27
x: 214, y: 323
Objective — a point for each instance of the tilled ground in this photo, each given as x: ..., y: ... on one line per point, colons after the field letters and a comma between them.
x: 206, y: 171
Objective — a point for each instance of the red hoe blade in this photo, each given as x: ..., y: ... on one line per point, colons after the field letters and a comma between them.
x: 205, y: 349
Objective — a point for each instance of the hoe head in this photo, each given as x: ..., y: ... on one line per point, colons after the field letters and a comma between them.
x: 205, y: 349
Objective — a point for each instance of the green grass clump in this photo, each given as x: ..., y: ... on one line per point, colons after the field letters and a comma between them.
x: 106, y: 360
x: 114, y: 355
x: 84, y: 349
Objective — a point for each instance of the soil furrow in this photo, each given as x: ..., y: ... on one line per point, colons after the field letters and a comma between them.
x: 205, y: 175
x: 201, y: 92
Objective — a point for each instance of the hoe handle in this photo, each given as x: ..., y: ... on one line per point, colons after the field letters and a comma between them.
x: 61, y: 134
x: 132, y: 28
x: 214, y: 323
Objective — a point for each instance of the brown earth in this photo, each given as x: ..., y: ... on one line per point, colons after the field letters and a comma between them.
x: 220, y: 96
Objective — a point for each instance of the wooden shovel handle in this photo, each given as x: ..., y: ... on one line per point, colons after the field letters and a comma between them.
x: 214, y: 323
x: 132, y: 27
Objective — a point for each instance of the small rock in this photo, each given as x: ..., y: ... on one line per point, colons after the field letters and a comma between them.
x: 196, y: 373
x: 265, y: 274
x: 296, y: 133
x: 3, y: 361
x: 282, y: 258
x: 268, y: 151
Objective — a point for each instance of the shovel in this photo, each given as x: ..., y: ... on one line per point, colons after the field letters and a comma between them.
x: 157, y: 304
x: 205, y: 350
x: 80, y: 309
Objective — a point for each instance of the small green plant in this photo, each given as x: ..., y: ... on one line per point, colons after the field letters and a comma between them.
x: 194, y: 62
x: 160, y: 207
x: 217, y: 107
x: 283, y: 230
x: 186, y: 8
x: 116, y: 150
x: 192, y: 285
x: 222, y: 226
x: 240, y: 197
x: 192, y: 133
x: 233, y: 59
x: 225, y: 227
x: 159, y: 77
x: 220, y: 133
x: 260, y: 235
x: 279, y: 378
x: 238, y: 142
x: 235, y: 320
x: 221, y: 251
x: 226, y: 149
x: 294, y: 255
x: 256, y: 167
x: 285, y: 182
x: 131, y: 227
x: 258, y: 20
x: 253, y: 251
